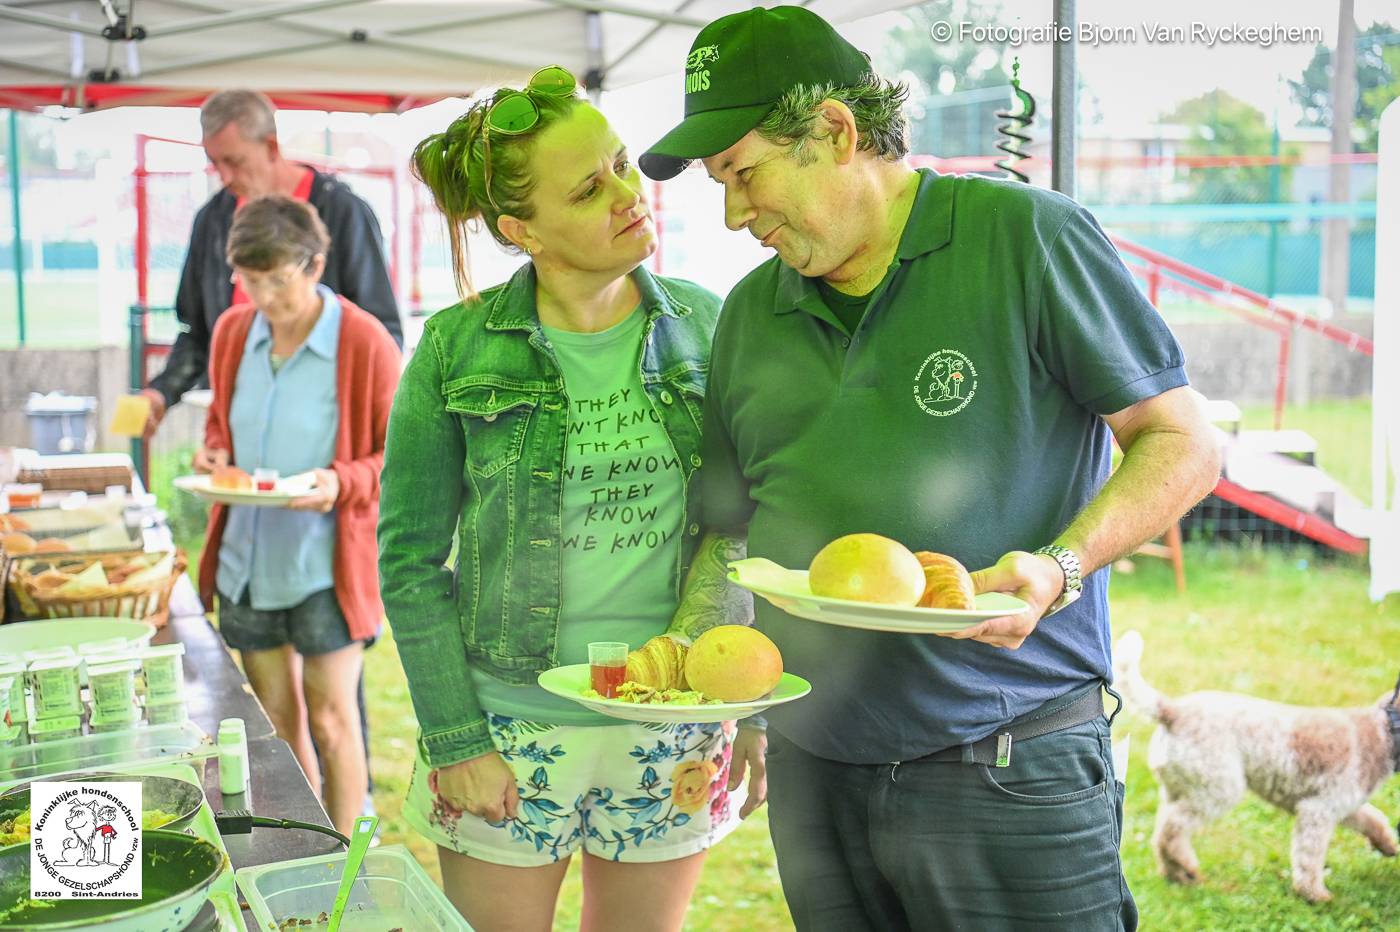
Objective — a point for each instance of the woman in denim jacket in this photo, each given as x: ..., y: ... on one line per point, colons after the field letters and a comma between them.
x: 536, y: 496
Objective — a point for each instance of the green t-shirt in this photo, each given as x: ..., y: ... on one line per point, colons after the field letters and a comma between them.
x: 848, y: 308
x: 624, y: 509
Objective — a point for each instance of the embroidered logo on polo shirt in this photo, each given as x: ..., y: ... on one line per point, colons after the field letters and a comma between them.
x: 945, y: 383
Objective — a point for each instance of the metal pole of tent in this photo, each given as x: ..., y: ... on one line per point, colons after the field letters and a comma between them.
x: 1064, y: 101
x: 15, y: 211
x: 593, y: 42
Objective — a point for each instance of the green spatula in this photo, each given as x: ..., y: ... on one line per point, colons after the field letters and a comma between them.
x: 359, y: 844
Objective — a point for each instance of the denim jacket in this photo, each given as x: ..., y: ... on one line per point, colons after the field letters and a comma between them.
x: 475, y: 447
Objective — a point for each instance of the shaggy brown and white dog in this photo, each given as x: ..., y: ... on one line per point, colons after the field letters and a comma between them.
x: 1320, y: 764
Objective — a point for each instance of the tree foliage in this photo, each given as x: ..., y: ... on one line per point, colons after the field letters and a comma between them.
x: 941, y: 124
x: 1377, y: 82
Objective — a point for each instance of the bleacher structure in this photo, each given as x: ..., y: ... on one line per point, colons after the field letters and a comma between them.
x: 1272, y: 488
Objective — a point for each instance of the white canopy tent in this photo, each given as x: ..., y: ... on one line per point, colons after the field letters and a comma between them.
x: 342, y: 54
x: 1385, y: 391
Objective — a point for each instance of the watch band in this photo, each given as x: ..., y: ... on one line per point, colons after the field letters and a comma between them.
x: 1069, y: 565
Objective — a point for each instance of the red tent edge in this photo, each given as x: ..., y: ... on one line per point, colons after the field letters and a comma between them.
x: 104, y: 96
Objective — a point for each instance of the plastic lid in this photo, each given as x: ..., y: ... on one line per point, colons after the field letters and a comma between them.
x: 111, y: 666
x: 48, y: 653
x: 62, y: 663
x: 165, y: 650
x: 59, y: 403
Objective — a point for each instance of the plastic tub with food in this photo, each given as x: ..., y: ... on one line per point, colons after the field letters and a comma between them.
x: 392, y: 892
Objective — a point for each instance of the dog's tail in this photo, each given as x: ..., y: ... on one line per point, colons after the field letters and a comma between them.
x: 1127, y: 675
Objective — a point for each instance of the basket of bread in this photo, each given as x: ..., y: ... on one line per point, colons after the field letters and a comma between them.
x: 125, y: 583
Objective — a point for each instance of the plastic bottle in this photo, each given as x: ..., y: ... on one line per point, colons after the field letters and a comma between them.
x: 234, y: 772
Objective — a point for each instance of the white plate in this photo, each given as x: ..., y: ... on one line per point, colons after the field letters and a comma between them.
x: 788, y: 590
x: 570, y: 682
x: 49, y: 633
x: 287, y: 489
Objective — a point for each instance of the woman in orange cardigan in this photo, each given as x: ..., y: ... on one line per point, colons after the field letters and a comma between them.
x: 303, y: 381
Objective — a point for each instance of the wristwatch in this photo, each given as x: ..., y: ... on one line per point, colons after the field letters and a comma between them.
x: 1069, y: 565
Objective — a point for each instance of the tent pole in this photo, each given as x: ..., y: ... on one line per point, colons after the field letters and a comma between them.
x: 593, y: 42
x: 1064, y: 98
x: 15, y: 211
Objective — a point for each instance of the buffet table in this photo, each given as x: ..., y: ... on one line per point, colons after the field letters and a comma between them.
x: 216, y: 689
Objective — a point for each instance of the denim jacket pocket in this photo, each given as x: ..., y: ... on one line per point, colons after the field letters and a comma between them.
x: 494, y: 421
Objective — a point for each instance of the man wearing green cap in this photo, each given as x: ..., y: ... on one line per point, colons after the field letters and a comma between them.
x: 945, y: 361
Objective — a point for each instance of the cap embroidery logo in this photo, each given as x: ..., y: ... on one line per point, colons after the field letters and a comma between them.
x: 697, y: 76
x: 945, y: 383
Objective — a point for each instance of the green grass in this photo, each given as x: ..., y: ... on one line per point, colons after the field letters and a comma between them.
x: 1281, y: 626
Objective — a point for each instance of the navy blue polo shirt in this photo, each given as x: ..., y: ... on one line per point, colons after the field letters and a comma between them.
x: 961, y: 415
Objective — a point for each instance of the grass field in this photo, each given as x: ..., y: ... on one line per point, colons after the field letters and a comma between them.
x: 1274, y: 625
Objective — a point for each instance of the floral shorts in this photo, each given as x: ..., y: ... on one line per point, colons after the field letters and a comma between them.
x: 626, y: 792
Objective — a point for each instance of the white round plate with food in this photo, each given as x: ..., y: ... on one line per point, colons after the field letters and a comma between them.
x: 573, y: 682
x: 788, y: 590
x: 286, y: 490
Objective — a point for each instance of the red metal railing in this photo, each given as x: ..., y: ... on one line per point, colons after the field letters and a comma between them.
x: 1162, y: 271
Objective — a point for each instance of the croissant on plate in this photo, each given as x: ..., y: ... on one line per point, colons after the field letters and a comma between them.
x: 659, y: 663
x: 947, y: 583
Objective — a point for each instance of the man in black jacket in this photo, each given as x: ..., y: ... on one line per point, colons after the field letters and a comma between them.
x: 240, y: 138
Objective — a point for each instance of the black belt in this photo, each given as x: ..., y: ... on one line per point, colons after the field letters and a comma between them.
x: 995, y: 750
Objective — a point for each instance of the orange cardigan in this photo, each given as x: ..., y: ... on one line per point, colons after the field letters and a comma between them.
x: 367, y: 372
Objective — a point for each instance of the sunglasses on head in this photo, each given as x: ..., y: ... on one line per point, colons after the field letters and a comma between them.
x: 517, y: 112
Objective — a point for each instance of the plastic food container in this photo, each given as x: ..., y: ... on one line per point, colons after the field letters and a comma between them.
x: 24, y: 494
x: 49, y: 653
x: 166, y: 713
x: 113, y: 689
x: 164, y: 672
x: 53, y: 684
x: 392, y: 892
x: 55, y: 729
x: 15, y: 708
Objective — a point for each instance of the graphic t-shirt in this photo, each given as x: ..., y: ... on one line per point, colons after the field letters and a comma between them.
x: 624, y: 510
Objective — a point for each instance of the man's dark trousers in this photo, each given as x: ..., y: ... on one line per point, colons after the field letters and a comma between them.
x: 942, y: 845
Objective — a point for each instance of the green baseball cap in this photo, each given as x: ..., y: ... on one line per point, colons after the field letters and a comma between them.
x: 738, y: 68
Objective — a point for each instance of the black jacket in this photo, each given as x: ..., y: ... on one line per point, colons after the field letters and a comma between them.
x: 356, y: 268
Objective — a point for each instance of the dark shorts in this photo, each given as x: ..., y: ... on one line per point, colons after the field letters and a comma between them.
x: 932, y: 845
x: 316, y: 626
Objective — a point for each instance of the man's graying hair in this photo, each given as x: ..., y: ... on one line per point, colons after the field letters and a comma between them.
x: 876, y: 103
x: 252, y: 111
